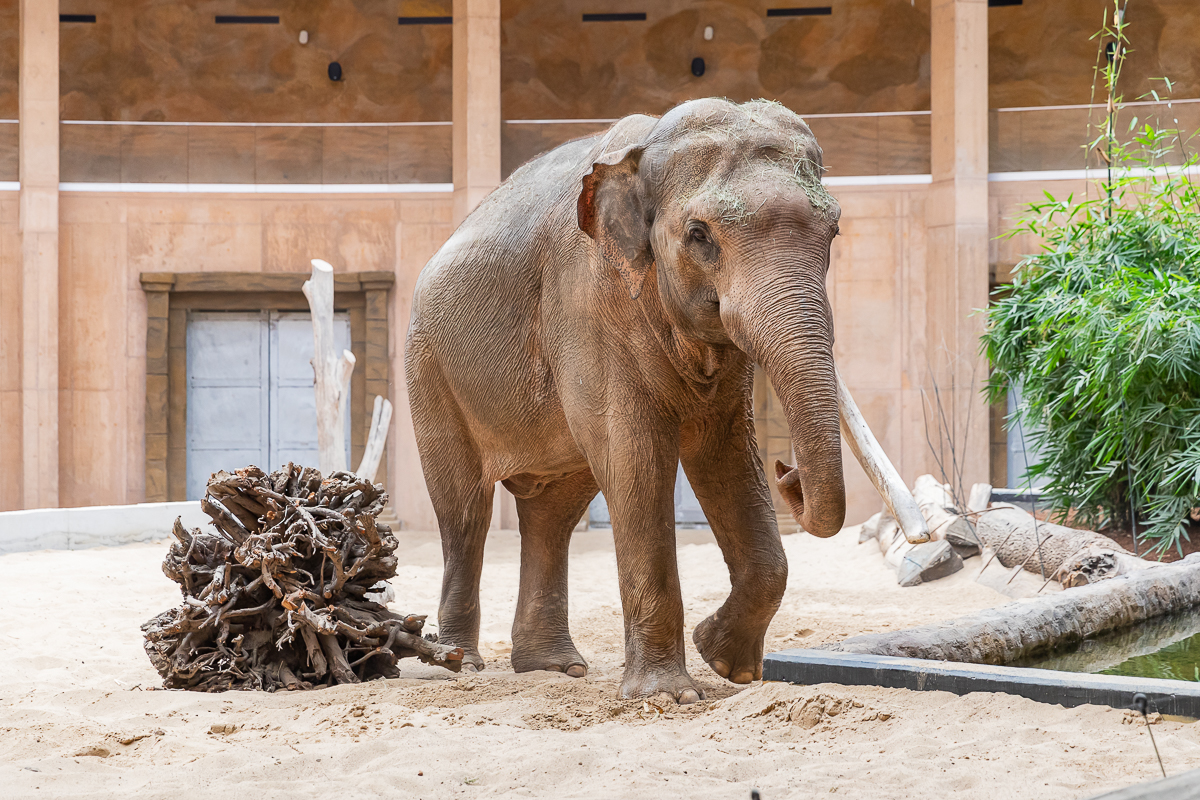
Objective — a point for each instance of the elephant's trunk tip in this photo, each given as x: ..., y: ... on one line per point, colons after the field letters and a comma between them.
x: 788, y: 480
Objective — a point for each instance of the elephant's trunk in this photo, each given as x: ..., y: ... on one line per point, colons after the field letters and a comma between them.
x: 787, y: 327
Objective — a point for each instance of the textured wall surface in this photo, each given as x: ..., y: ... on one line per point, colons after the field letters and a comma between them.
x: 108, y: 240
x: 154, y: 60
x: 169, y: 60
x: 10, y: 354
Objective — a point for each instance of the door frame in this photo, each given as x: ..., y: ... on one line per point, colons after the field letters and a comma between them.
x: 169, y: 297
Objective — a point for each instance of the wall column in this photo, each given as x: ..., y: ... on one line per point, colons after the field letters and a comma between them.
x: 477, y: 138
x: 38, y: 224
x: 476, y: 112
x: 957, y: 219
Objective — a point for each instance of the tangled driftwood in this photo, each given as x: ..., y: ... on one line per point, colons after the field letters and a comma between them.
x: 279, y: 594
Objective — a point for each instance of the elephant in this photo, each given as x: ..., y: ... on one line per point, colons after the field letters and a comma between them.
x: 595, y: 321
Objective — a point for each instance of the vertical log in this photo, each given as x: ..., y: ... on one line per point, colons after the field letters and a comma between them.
x: 332, y: 374
x: 381, y: 420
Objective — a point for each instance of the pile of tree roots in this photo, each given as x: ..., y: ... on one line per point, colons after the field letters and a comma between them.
x: 287, y: 591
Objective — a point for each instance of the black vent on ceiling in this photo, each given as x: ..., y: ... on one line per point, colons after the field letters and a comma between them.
x: 76, y: 17
x: 236, y: 19
x: 636, y: 16
x: 996, y: 3
x: 426, y: 20
x: 810, y: 11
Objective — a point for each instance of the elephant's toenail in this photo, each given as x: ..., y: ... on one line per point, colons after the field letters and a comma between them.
x: 577, y: 670
x: 688, y: 696
x: 720, y: 667
x: 742, y: 676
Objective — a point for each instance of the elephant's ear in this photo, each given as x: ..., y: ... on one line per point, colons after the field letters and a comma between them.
x: 612, y: 211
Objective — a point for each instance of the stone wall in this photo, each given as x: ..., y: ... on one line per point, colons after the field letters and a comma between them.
x: 108, y: 240
x: 156, y: 61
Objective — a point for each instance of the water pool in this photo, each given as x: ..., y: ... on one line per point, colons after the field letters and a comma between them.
x: 1167, y: 647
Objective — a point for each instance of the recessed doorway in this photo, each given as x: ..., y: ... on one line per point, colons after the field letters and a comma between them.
x: 250, y: 391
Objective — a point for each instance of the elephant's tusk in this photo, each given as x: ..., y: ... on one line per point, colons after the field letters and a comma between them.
x: 879, y: 469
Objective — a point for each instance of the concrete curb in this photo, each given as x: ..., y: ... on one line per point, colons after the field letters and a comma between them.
x: 93, y: 526
x: 1068, y: 689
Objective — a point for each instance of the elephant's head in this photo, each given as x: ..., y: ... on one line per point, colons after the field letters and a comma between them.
x: 721, y: 206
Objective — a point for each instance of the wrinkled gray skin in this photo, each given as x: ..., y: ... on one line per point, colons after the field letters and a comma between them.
x: 595, y: 320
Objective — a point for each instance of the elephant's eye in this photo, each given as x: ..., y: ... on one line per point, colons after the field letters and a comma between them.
x: 699, y: 233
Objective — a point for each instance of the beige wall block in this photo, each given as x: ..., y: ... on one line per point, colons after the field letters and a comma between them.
x: 154, y: 154
x: 220, y: 155
x: 476, y: 102
x: 956, y: 277
x: 866, y: 347
x: 354, y: 155
x: 38, y: 112
x: 92, y: 309
x: 288, y: 155
x: 93, y: 428
x: 420, y: 154
x: 190, y: 247
x: 848, y: 146
x: 11, y: 494
x: 232, y: 209
x: 10, y: 309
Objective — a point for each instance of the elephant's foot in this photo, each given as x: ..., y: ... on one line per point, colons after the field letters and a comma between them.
x: 733, y: 653
x: 648, y: 682
x: 558, y: 655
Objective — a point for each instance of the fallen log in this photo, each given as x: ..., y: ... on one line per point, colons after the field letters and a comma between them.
x: 280, y: 594
x: 1071, y: 556
x: 913, y: 563
x: 944, y: 518
x: 979, y: 498
x: 1025, y: 628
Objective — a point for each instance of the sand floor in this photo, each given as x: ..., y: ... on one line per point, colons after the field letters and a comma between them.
x: 78, y: 717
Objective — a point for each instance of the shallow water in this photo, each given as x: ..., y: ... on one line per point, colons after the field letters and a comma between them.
x: 1167, y: 647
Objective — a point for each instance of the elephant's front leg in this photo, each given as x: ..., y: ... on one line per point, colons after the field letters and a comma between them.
x: 638, y: 480
x: 718, y: 458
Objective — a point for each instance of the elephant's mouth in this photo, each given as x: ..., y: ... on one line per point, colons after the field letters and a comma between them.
x: 788, y: 480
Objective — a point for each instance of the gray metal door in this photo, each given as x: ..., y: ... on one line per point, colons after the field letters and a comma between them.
x: 250, y: 391
x: 687, y: 507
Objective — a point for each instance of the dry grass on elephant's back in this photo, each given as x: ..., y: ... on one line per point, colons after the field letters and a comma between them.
x: 288, y: 589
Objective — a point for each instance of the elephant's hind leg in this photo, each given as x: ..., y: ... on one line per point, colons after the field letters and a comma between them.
x: 541, y: 639
x: 462, y: 501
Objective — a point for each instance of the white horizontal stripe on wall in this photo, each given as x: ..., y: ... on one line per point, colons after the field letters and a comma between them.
x: 250, y: 124
x: 262, y: 188
x: 1091, y: 174
x: 877, y: 180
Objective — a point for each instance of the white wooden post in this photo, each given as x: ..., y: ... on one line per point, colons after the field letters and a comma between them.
x: 332, y: 374
x: 381, y: 419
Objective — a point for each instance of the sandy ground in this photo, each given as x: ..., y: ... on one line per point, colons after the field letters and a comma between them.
x: 78, y: 717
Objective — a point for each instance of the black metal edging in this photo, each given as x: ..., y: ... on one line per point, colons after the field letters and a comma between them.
x: 1068, y: 689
